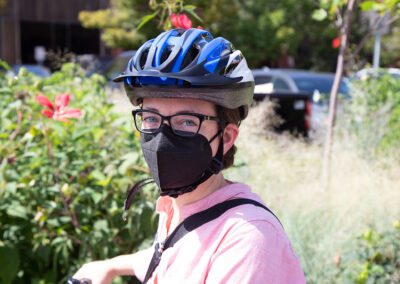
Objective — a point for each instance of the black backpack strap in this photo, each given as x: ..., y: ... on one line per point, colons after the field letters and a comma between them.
x: 193, y: 222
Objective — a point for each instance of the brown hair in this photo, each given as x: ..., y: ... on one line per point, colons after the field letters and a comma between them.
x: 229, y: 116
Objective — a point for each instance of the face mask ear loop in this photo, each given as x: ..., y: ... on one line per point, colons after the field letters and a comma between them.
x: 215, y: 136
x: 217, y: 164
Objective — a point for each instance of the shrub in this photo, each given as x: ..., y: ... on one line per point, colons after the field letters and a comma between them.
x: 62, y: 184
x: 375, y: 259
x: 374, y: 115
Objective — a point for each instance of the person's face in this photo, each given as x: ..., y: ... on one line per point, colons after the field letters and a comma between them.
x: 168, y: 106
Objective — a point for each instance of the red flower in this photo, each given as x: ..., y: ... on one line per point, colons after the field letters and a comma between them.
x: 181, y: 21
x: 336, y: 42
x: 60, y: 110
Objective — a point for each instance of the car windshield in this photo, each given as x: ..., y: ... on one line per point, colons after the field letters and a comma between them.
x: 323, y: 85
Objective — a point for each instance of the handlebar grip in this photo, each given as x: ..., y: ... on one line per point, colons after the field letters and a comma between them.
x: 76, y: 281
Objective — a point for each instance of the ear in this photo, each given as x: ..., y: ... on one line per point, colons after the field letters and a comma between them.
x: 231, y: 132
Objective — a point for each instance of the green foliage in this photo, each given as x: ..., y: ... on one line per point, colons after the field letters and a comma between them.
x: 361, y: 31
x: 332, y: 8
x: 266, y: 31
x: 381, y: 6
x: 375, y: 259
x: 165, y: 8
x: 118, y: 23
x: 62, y: 185
x: 374, y: 115
x: 125, y: 23
x: 328, y: 9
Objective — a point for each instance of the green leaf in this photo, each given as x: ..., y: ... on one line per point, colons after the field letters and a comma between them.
x: 320, y: 14
x: 4, y: 65
x: 81, y: 132
x: 101, y: 225
x: 104, y: 182
x: 146, y: 217
x: 367, y: 5
x: 189, y: 7
x: 65, y: 219
x: 53, y: 222
x: 97, y: 175
x: 17, y: 210
x: 9, y: 264
x: 193, y: 13
x: 97, y: 197
x: 11, y: 187
x: 130, y: 159
x: 5, y: 91
x: 146, y: 19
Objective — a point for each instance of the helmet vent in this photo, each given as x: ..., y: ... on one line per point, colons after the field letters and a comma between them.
x: 143, y: 58
x: 230, y: 68
x: 166, y: 53
x: 190, y: 56
x: 235, y: 62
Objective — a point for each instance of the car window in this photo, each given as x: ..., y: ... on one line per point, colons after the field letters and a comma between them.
x: 116, y: 66
x: 322, y: 85
x: 262, y: 79
x: 280, y: 84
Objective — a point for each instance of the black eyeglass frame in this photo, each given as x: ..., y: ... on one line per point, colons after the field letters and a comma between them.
x: 201, y: 117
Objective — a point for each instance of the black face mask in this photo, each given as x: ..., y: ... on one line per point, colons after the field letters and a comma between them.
x: 179, y: 164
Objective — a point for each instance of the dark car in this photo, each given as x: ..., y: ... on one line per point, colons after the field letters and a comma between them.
x: 292, y: 106
x: 114, y: 66
x: 38, y: 70
x: 317, y: 85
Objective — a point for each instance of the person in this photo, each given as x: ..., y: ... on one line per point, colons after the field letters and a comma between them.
x: 193, y: 90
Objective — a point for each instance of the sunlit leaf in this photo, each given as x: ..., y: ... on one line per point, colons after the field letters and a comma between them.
x: 17, y: 210
x: 367, y: 5
x: 320, y: 14
x: 146, y: 19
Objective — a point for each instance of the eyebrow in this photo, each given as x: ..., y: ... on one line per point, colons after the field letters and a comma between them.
x: 151, y: 108
x: 182, y: 111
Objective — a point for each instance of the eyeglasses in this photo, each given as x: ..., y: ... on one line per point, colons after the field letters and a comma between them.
x: 182, y: 124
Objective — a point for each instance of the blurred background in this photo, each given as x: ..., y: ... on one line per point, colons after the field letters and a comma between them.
x: 69, y: 152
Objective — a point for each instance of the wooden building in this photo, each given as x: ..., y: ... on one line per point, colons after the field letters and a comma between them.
x: 53, y: 24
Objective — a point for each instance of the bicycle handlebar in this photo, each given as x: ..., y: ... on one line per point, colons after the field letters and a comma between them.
x: 76, y: 281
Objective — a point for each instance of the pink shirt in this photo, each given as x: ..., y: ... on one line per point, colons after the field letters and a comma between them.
x: 245, y: 245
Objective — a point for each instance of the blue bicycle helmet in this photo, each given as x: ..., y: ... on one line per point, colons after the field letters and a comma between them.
x: 189, y: 64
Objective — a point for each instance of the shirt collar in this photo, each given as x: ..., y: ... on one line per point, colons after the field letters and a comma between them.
x: 164, y: 203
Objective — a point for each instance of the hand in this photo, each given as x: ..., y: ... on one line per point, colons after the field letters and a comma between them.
x: 99, y: 272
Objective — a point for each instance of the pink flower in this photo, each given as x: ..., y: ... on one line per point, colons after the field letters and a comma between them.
x: 336, y: 42
x: 60, y: 110
x: 181, y: 21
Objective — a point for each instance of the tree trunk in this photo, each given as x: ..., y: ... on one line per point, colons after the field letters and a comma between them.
x: 345, y: 29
